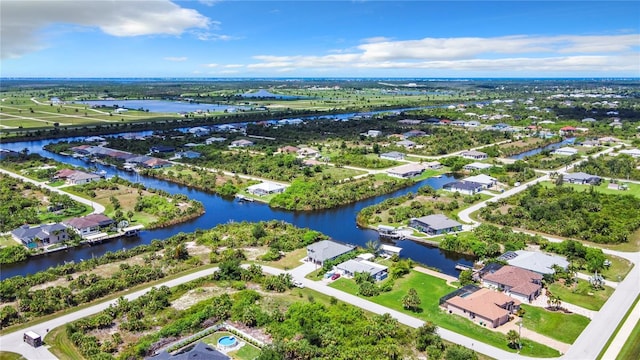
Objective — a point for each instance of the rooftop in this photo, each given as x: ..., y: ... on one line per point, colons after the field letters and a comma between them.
x: 438, y: 221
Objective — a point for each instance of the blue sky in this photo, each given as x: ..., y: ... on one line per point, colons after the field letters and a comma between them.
x: 161, y: 38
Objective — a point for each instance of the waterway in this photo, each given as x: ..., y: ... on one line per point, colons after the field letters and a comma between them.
x: 160, y: 106
x: 338, y: 223
x: 553, y: 146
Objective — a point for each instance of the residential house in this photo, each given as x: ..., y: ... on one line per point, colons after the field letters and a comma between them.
x: 409, y: 122
x: 189, y: 154
x: 372, y: 133
x: 472, y: 123
x: 435, y: 224
x: 76, y: 177
x: 588, y: 120
x: 266, y: 188
x: 40, y: 235
x: 241, y: 143
x: 325, y: 250
x: 539, y: 262
x: 433, y: 165
x: 162, y: 149
x: 565, y: 151
x: 413, y: 133
x: 94, y: 139
x: 406, y: 144
x: 155, y: 163
x: 199, y: 131
x: 353, y: 266
x: 484, y: 306
x: 516, y: 282
x: 5, y: 153
x: 463, y: 187
x: 288, y: 149
x: 90, y: 224
x: 389, y: 250
x: 486, y: 180
x: 201, y: 350
x: 213, y: 140
x: 474, y: 155
x: 582, y: 178
x: 308, y: 152
x: 406, y: 171
x: 476, y: 166
x: 567, y: 131
x: 393, y: 155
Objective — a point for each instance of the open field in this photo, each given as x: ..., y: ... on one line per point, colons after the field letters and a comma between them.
x: 556, y: 325
x: 590, y: 299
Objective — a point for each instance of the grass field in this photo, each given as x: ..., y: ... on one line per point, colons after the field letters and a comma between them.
x: 61, y: 346
x: 572, y: 295
x: 430, y: 289
x: 6, y: 355
x: 556, y: 325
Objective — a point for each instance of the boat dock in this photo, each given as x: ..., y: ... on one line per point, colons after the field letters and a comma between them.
x: 241, y: 197
x: 463, y: 267
x: 124, y: 232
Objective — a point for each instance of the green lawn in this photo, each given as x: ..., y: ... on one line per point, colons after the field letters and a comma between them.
x: 430, y: 289
x: 618, y: 270
x: 5, y: 355
x: 576, y: 295
x: 7, y: 240
x: 556, y: 325
x: 60, y: 344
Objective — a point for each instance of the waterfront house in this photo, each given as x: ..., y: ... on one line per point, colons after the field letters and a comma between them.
x: 516, y: 282
x: 406, y: 171
x: 90, y: 224
x: 201, y: 350
x: 565, y: 151
x: 474, y: 155
x: 40, y: 235
x: 433, y: 165
x: 372, y: 133
x: 567, y: 131
x: 213, y: 140
x: 155, y: 163
x: 5, y: 153
x: 481, y: 305
x: 582, y: 178
x: 435, y: 224
x: 199, y: 131
x: 413, y: 133
x: 486, y: 180
x: 389, y: 250
x: 162, y: 149
x: 463, y: 187
x: 393, y: 155
x: 265, y: 188
x: 325, y: 250
x: 76, y: 177
x: 189, y: 154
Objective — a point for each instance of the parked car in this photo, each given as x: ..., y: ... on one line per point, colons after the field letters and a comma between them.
x: 299, y: 284
x: 335, y: 276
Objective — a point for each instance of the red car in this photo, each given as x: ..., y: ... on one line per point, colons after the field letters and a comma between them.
x: 335, y: 276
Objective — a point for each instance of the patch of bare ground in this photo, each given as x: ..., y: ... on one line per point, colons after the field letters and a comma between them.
x: 504, y: 209
x: 194, y: 296
x: 253, y: 332
x: 253, y: 253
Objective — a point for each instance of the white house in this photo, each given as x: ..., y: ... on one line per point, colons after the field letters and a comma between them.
x: 477, y: 166
x: 565, y: 151
x: 406, y: 171
x: 372, y: 133
x: 266, y: 188
x: 474, y: 155
x: 213, y: 140
x: 241, y: 143
x: 632, y: 152
x: 393, y: 155
x: 486, y: 180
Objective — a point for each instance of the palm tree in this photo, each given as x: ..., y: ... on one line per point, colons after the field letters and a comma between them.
x: 373, y: 246
x: 514, y: 338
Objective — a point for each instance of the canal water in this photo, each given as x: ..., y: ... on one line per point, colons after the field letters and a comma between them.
x: 553, y: 146
x: 338, y: 223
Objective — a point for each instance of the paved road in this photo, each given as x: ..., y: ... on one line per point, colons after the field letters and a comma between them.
x: 97, y: 208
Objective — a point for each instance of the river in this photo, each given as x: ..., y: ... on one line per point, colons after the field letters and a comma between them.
x: 338, y: 223
x: 553, y: 146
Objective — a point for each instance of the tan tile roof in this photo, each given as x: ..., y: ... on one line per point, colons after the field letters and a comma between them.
x: 484, y: 302
x: 515, y: 277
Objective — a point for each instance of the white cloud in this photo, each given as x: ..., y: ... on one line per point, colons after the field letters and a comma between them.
x: 176, y: 58
x: 233, y: 66
x: 21, y: 21
x: 513, y: 53
x: 212, y: 65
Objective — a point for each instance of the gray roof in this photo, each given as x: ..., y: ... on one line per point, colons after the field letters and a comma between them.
x: 355, y: 266
x: 327, y: 249
x: 438, y: 221
x: 393, y: 154
x: 37, y: 232
x: 463, y: 185
x: 579, y: 176
x: 200, y: 351
x: 535, y: 261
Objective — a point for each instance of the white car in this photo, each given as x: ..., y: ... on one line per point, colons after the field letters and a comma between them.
x: 299, y: 284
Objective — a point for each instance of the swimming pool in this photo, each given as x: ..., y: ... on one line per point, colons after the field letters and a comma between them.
x: 227, y: 342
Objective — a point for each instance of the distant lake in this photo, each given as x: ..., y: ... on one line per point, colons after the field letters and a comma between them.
x: 266, y: 94
x: 162, y: 106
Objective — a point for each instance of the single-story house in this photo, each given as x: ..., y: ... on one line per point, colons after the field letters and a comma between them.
x: 484, y: 306
x: 393, y: 155
x: 266, y: 188
x: 288, y: 149
x: 406, y: 171
x: 189, y: 154
x: 486, y: 180
x: 582, y: 178
x: 565, y: 151
x: 155, y: 163
x: 474, y: 155
x: 353, y: 266
x: 435, y: 224
x: 325, y: 250
x: 434, y: 165
x: 590, y: 143
x: 413, y: 133
x: 94, y: 139
x: 519, y: 283
x: 213, y: 140
x: 588, y: 120
x: 567, y: 130
x: 241, y: 143
x: 406, y: 143
x: 409, y: 121
x: 463, y: 187
x: 90, y: 224
x: 476, y: 166
x: 472, y: 123
x: 40, y: 235
x: 372, y: 133
x: 201, y: 350
x: 76, y: 177
x: 635, y: 153
x: 162, y: 149
x: 308, y: 152
x: 199, y: 131
x: 539, y: 262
